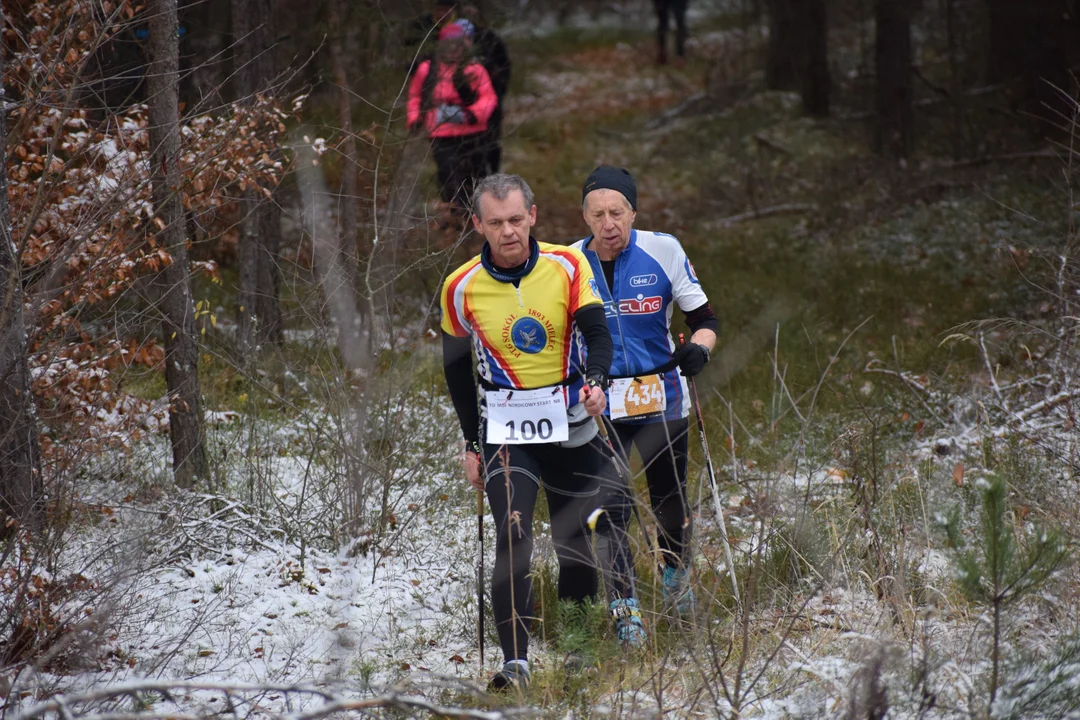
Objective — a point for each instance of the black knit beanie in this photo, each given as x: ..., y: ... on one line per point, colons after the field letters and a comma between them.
x: 607, y: 177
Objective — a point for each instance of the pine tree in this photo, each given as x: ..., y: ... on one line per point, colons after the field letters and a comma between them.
x: 1001, y: 570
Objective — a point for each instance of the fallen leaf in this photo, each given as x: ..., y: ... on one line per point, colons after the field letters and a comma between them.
x: 457, y: 659
x: 958, y: 474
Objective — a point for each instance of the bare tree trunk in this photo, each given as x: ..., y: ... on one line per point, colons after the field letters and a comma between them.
x: 341, y: 308
x: 260, y: 228
x: 894, y: 134
x: 783, y: 64
x: 1004, y: 46
x: 348, y: 210
x: 207, y: 23
x: 20, y: 457
x: 349, y: 198
x: 1029, y: 45
x: 816, y: 84
x: 956, y: 87
x: 178, y: 313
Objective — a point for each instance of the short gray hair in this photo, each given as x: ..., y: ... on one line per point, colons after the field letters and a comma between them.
x: 499, y: 186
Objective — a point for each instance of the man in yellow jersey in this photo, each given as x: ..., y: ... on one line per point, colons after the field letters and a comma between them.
x: 531, y: 316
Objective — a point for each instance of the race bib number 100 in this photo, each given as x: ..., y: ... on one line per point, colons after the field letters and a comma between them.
x: 521, y: 417
x: 636, y: 397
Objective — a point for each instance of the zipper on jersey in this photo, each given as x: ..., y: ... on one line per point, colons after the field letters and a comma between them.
x: 615, y: 301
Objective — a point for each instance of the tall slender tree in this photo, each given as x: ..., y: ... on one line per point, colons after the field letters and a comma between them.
x: 1028, y: 48
x: 20, y: 458
x: 894, y: 132
x: 783, y: 64
x: 174, y: 282
x: 816, y: 84
x: 798, y: 52
x: 348, y: 207
x: 205, y: 65
x: 260, y: 228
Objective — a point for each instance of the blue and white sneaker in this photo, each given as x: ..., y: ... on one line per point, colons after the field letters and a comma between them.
x: 629, y: 629
x: 678, y: 595
x: 514, y: 674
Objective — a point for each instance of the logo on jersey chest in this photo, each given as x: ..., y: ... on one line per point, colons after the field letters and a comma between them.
x: 642, y: 280
x: 529, y: 333
x: 641, y: 305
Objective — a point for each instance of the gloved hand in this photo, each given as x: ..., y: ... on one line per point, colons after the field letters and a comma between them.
x: 592, y: 395
x: 451, y: 114
x: 691, y: 358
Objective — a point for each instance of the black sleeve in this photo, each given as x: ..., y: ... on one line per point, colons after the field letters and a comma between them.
x: 499, y: 65
x: 592, y: 323
x: 702, y: 318
x: 461, y: 381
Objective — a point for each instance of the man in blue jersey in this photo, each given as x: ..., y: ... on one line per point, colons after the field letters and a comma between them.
x: 642, y: 276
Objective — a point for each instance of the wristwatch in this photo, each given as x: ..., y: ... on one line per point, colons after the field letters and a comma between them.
x: 596, y: 382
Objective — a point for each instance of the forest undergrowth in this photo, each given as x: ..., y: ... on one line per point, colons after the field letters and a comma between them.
x: 891, y: 408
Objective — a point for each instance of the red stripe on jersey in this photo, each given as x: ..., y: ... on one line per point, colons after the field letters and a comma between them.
x: 575, y: 282
x: 451, y: 306
x: 491, y: 348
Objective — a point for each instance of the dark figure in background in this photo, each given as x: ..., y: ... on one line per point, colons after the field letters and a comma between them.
x: 424, y: 31
x: 450, y: 100
x: 664, y: 8
x: 492, y: 53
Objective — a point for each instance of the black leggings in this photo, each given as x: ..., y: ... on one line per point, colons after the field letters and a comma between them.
x: 493, y: 141
x: 663, y: 450
x: 460, y: 162
x: 577, y: 481
x: 678, y: 9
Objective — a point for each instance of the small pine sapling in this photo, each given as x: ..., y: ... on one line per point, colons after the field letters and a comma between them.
x: 1003, y: 567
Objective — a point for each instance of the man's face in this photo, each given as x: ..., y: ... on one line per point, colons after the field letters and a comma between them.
x: 610, y: 218
x: 506, y: 225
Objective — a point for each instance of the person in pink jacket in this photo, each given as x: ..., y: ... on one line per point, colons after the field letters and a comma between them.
x: 451, y: 99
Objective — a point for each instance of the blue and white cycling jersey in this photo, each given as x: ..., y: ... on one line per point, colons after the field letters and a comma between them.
x: 651, y: 274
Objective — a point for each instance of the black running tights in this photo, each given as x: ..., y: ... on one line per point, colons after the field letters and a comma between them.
x: 576, y: 481
x: 663, y: 450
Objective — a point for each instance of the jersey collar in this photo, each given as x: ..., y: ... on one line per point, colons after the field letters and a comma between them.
x: 502, y: 276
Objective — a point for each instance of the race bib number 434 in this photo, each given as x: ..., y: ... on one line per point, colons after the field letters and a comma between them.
x: 521, y: 417
x: 635, y: 397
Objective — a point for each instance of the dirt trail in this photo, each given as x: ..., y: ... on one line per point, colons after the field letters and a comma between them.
x: 586, y: 108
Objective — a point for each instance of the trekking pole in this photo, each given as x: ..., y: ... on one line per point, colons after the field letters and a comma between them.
x: 624, y: 470
x: 480, y: 575
x: 712, y: 481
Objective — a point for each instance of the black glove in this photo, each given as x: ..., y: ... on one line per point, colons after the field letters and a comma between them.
x: 691, y: 358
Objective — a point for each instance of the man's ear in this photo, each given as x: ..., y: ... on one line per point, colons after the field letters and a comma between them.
x: 532, y: 215
x: 476, y: 224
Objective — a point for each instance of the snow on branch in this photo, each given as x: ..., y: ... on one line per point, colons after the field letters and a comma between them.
x: 246, y: 696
